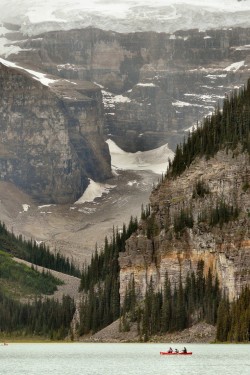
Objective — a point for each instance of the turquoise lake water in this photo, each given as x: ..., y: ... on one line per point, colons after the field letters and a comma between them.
x: 122, y: 359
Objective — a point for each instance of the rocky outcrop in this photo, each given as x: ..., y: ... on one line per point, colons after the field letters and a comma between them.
x: 157, y: 85
x: 51, y: 136
x: 224, y: 249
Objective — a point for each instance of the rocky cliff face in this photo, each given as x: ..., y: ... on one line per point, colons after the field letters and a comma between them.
x: 155, y: 85
x: 225, y: 249
x: 51, y: 136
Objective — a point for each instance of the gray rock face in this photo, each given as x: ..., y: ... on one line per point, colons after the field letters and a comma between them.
x: 225, y: 250
x: 51, y: 136
x: 155, y: 85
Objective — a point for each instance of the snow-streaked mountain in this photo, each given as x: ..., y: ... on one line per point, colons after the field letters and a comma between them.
x: 37, y: 16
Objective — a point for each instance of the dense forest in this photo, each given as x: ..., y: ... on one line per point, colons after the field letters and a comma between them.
x: 233, y: 323
x: 46, y: 318
x: 18, y: 283
x: 39, y: 255
x: 100, y: 283
x: 198, y: 298
x: 175, y: 307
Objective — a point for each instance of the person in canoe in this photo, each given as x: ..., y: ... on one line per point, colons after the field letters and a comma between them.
x: 176, y: 351
x: 184, y: 350
x: 170, y: 350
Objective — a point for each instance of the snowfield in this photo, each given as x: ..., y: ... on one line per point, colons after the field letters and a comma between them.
x: 94, y: 190
x: 36, y: 17
x: 153, y: 160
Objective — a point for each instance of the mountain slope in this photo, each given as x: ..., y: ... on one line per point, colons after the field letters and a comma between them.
x: 192, y: 244
x: 26, y: 306
x: 201, y: 209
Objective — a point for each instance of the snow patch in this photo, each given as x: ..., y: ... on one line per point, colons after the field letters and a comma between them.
x: 73, y: 83
x: 179, y: 103
x: 205, y: 97
x: 7, y: 48
x: 97, y: 84
x: 215, y: 76
x: 25, y: 207
x: 153, y: 160
x: 94, y: 190
x: 87, y: 210
x: 146, y: 84
x: 131, y: 183
x: 67, y: 66
x: 121, y: 99
x: 45, y: 205
x: 235, y: 66
x: 109, y: 99
x: 246, y: 47
x: 35, y: 75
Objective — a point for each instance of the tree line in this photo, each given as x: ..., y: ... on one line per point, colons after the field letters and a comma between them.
x: 21, y: 280
x: 173, y: 308
x: 233, y: 323
x: 226, y: 128
x: 100, y: 283
x: 36, y: 254
x: 47, y: 318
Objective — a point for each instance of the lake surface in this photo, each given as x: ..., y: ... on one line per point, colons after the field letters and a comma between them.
x: 122, y: 359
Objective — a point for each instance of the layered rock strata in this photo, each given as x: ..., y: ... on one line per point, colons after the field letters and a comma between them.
x: 225, y: 250
x: 51, y: 136
x: 155, y: 85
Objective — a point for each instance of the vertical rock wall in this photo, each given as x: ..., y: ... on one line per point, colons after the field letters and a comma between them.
x: 225, y: 250
x: 51, y: 136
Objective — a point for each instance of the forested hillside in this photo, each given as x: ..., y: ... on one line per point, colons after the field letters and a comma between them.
x: 198, y: 297
x: 100, y: 283
x: 24, y: 311
x: 226, y: 128
x: 36, y: 254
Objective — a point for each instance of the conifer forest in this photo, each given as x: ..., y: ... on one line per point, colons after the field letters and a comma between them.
x: 196, y: 298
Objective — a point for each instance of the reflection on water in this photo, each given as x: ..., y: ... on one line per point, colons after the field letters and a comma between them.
x: 122, y: 359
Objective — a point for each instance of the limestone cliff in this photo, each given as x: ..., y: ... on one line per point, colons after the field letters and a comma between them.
x: 51, y: 136
x: 225, y: 249
x: 155, y: 85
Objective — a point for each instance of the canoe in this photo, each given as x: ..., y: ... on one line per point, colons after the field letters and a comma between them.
x: 167, y: 353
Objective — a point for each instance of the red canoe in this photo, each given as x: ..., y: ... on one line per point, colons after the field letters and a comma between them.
x: 173, y: 353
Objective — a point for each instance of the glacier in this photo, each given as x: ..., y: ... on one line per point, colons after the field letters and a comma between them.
x: 35, y: 17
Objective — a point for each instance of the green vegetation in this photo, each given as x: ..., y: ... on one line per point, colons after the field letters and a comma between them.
x: 100, y: 281
x: 145, y: 212
x: 223, y: 213
x: 224, y: 129
x: 36, y: 254
x: 47, y: 318
x: 183, y: 220
x: 234, y: 319
x: 200, y: 189
x: 174, y: 308
x: 19, y: 280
